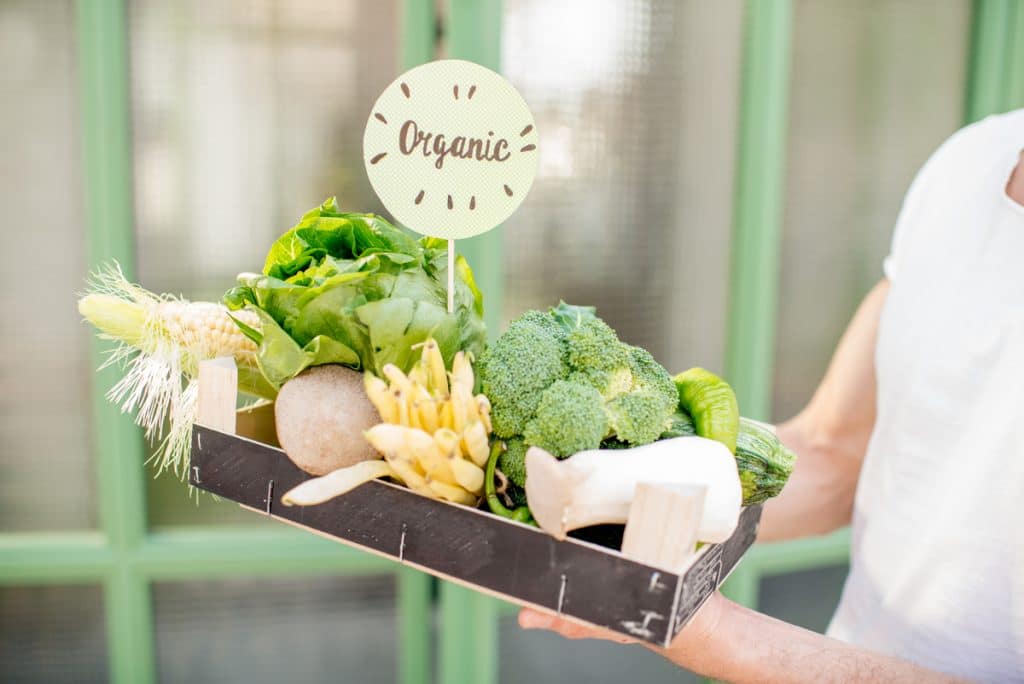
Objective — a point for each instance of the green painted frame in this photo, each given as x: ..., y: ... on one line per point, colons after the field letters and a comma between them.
x: 125, y: 557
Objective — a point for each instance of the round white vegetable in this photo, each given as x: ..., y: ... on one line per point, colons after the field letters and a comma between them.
x: 321, y: 415
x: 595, y: 487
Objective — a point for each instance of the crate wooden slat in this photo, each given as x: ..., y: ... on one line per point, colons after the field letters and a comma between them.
x: 578, y: 579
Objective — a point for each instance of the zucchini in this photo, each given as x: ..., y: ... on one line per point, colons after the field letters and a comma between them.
x: 764, y: 463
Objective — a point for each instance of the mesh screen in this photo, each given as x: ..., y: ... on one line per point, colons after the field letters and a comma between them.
x: 630, y: 212
x: 877, y: 86
x: 339, y: 629
x: 246, y: 114
x: 45, y: 370
x: 52, y: 635
x: 806, y: 598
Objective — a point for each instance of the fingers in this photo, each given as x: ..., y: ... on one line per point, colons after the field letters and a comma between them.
x: 535, y: 619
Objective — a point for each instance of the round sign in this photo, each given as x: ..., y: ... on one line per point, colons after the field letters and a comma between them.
x: 451, y: 149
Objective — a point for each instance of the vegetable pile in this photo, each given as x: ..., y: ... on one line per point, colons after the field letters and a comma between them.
x: 346, y: 327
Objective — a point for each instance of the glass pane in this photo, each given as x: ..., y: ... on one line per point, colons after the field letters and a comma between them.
x: 635, y: 108
x: 246, y: 114
x: 877, y: 86
x: 531, y: 656
x: 807, y: 598
x: 287, y: 630
x: 45, y: 369
x: 52, y: 635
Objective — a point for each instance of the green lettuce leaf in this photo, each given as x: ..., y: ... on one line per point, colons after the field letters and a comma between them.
x: 355, y: 290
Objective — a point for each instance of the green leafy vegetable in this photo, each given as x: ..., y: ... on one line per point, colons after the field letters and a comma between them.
x: 355, y: 290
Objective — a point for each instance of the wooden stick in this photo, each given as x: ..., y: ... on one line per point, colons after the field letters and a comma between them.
x: 218, y: 394
x: 662, y: 525
x: 451, y: 276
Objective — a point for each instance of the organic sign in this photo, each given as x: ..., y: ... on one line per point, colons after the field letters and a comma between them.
x: 451, y: 149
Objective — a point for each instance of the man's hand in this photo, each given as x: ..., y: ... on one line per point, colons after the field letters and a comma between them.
x: 696, y: 632
x: 729, y: 642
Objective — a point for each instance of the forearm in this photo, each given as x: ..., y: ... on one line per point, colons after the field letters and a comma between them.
x: 746, y: 646
x: 830, y: 436
x: 818, y: 498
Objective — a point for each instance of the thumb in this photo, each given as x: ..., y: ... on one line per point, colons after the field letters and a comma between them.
x: 534, y: 619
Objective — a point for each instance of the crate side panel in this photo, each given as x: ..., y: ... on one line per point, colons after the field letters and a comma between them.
x: 712, y: 568
x: 527, y: 565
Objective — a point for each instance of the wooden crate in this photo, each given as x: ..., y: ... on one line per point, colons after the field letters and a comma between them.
x: 237, y: 459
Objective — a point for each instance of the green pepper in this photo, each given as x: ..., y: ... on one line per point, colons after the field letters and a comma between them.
x: 711, y: 403
x: 520, y: 514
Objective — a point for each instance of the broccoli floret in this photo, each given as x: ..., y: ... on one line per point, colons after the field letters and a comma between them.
x: 513, y: 461
x: 610, y: 383
x: 518, y: 366
x: 638, y: 417
x: 570, y: 418
x: 513, y: 464
x: 651, y: 376
x: 592, y: 345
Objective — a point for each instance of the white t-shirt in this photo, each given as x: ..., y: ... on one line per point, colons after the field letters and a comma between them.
x: 937, y: 566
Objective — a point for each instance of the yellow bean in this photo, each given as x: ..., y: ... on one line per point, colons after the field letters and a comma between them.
x: 452, y: 493
x: 483, y: 405
x: 427, y: 411
x: 468, y: 475
x: 379, y: 395
x: 434, y: 363
x: 474, y: 440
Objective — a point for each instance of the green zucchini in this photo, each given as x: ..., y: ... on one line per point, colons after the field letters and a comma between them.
x: 764, y: 463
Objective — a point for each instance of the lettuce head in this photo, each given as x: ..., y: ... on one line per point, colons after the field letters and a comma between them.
x: 355, y: 290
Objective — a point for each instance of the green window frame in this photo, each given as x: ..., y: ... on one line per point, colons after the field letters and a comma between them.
x: 125, y: 557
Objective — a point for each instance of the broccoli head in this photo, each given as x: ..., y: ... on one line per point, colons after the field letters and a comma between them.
x: 563, y: 381
x: 570, y: 418
x: 517, y: 367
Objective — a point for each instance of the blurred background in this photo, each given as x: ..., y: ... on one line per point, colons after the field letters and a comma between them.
x: 719, y: 177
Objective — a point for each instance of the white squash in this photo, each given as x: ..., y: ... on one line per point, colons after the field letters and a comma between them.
x: 595, y: 487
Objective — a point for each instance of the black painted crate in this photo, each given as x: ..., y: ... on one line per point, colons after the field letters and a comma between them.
x: 522, y: 564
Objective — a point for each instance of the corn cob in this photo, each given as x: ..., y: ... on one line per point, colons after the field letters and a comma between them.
x: 161, y: 340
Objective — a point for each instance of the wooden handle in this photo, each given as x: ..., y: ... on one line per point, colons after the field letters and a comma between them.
x: 218, y: 394
x: 662, y: 526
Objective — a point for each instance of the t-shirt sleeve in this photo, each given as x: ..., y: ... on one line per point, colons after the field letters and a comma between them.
x: 907, y: 220
x: 909, y: 223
